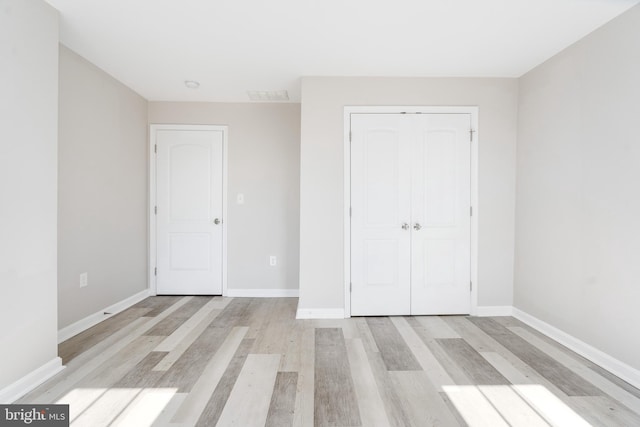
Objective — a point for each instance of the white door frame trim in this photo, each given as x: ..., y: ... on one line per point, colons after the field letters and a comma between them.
x: 348, y: 110
x: 152, y: 198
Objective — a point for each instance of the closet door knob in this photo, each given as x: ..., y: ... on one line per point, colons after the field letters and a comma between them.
x: 405, y: 226
x: 417, y: 226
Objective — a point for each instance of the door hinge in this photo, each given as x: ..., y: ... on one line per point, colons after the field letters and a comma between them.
x: 155, y: 210
x: 350, y: 211
x: 470, y: 286
x: 350, y: 286
x: 155, y: 148
x: 349, y: 136
x: 155, y: 271
x: 471, y: 131
x: 470, y: 210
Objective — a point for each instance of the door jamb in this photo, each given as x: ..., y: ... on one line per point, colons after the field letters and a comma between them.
x: 473, y: 111
x: 152, y: 252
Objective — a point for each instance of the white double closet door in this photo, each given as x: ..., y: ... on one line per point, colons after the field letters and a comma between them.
x: 410, y: 214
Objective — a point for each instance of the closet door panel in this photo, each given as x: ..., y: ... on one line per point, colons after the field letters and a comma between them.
x: 441, y: 222
x: 380, y: 205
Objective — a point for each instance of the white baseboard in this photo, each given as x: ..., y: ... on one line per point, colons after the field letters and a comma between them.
x: 610, y: 363
x: 263, y: 293
x: 24, y: 385
x: 320, y: 313
x: 494, y: 310
x: 95, y: 318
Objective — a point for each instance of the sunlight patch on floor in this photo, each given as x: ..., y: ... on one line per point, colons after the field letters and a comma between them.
x: 79, y: 399
x: 116, y: 406
x: 146, y: 407
x: 503, y: 405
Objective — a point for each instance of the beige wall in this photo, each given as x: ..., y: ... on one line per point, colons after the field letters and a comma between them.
x: 578, y: 204
x: 322, y: 181
x: 102, y: 222
x: 264, y: 158
x: 28, y: 185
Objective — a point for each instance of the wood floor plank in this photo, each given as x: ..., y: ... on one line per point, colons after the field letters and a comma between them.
x: 507, y: 370
x: 454, y: 411
x: 453, y: 370
x: 145, y: 409
x: 208, y: 380
x: 421, y: 401
x: 510, y: 366
x: 107, y: 408
x: 181, y: 340
x: 304, y: 405
x: 515, y: 410
x: 475, y: 367
x: 395, y: 352
x: 235, y: 313
x: 176, y: 337
x: 575, y: 365
x: 549, y: 406
x: 220, y: 302
x: 259, y: 313
x: 565, y: 379
x: 158, y: 304
x: 370, y: 404
x: 283, y: 400
x: 350, y: 329
x: 428, y: 363
x: 274, y: 337
x: 436, y: 327
x: 142, y: 375
x: 168, y: 412
x: 218, y: 399
x: 391, y: 400
x: 509, y: 322
x: 291, y: 358
x: 85, y: 363
x: 91, y: 387
x: 186, y: 371
x: 178, y: 317
x: 364, y: 333
x: 85, y: 340
x: 518, y: 378
x: 615, y: 379
x: 335, y: 401
x: 604, y: 411
x: 248, y: 404
x: 474, y: 407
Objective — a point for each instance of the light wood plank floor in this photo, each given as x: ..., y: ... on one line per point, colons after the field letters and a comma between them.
x: 207, y: 361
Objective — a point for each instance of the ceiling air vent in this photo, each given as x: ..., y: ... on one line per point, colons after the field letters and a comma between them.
x: 268, y: 95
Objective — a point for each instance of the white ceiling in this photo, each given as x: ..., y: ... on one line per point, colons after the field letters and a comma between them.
x: 231, y: 46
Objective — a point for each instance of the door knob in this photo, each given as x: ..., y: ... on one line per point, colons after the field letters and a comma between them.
x: 417, y: 226
x: 217, y: 221
x: 405, y: 226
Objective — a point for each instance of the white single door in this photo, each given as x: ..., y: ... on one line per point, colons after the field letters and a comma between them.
x: 189, y: 182
x: 380, y: 215
x: 410, y: 214
x: 440, y: 214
